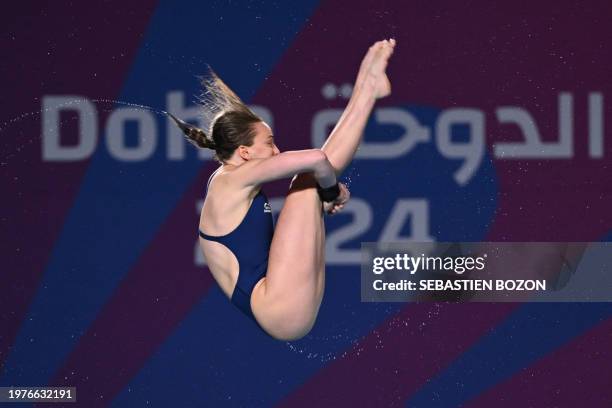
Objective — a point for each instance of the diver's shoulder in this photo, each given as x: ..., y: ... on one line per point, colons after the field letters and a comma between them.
x: 228, y: 180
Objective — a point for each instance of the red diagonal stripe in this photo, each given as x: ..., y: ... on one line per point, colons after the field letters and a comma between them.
x: 575, y: 375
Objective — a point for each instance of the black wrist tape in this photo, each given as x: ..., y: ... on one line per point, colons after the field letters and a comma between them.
x: 328, y: 194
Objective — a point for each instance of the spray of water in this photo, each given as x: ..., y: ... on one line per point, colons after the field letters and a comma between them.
x: 6, y: 125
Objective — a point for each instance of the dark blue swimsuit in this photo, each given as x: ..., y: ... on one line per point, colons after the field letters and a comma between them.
x: 250, y: 242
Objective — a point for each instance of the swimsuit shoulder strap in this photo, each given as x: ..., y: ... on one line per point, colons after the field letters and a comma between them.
x: 211, y: 177
x: 203, y: 235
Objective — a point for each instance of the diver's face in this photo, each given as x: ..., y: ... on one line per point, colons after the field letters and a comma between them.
x: 263, y: 142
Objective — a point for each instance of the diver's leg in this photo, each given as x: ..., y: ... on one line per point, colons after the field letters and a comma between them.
x: 371, y: 83
x: 286, y: 301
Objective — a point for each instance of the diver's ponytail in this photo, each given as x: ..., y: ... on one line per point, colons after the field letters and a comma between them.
x: 227, y: 121
x: 193, y: 134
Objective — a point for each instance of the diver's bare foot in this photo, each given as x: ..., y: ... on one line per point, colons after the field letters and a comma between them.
x: 373, y: 67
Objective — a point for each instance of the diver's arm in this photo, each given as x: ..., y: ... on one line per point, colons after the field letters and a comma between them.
x: 287, y: 164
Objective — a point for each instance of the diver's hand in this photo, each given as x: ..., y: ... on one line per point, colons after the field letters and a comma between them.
x: 337, y: 205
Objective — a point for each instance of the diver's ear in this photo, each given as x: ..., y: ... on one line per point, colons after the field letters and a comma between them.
x: 243, y: 151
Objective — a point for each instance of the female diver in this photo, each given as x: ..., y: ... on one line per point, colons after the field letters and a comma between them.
x: 276, y: 275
